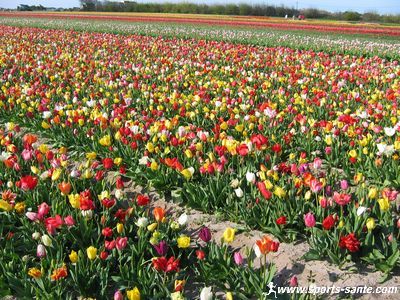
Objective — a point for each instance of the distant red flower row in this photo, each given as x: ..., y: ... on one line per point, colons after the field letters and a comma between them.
x: 287, y: 25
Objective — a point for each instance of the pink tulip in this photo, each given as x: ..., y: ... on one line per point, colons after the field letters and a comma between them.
x: 27, y: 154
x: 43, y: 210
x: 69, y: 221
x: 328, y: 150
x: 293, y: 281
x: 315, y: 185
x: 317, y: 163
x: 32, y: 216
x: 323, y: 202
x: 118, y: 295
x: 309, y: 219
x: 238, y: 258
x: 121, y: 242
x: 344, y: 185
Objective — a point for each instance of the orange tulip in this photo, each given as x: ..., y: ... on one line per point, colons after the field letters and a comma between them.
x: 59, y: 273
x: 159, y: 213
x: 265, y: 245
x: 29, y: 139
x: 65, y: 187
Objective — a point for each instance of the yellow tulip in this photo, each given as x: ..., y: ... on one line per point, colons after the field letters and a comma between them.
x: 45, y: 125
x: 73, y: 257
x: 91, y: 252
x: 120, y: 227
x: 105, y: 140
x: 91, y: 155
x: 280, y: 192
x: 154, y: 165
x: 150, y: 147
x: 188, y: 153
x: 35, y: 170
x: 229, y: 235
x: 384, y: 204
x: 35, y: 273
x: 372, y: 193
x: 370, y: 224
x: 117, y: 161
x: 353, y: 153
x: 229, y: 296
x: 74, y: 200
x: 152, y: 227
x: 186, y: 173
x: 183, y: 241
x: 341, y: 224
x: 133, y: 294
x: 5, y: 206
x: 56, y: 174
x: 20, y: 207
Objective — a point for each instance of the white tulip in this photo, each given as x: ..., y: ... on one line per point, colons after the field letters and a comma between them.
x: 183, y: 219
x: 239, y: 192
x: 142, y: 222
x: 389, y: 131
x: 361, y: 210
x: 250, y: 177
x: 206, y: 293
x: 46, y: 240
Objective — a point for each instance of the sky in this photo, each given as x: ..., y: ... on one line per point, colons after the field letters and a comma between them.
x: 381, y: 6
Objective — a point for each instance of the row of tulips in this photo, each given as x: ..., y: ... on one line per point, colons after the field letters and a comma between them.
x: 265, y: 23
x: 388, y: 47
x: 64, y: 236
x: 296, y: 143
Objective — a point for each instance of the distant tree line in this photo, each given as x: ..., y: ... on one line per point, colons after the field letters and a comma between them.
x: 225, y: 9
x: 24, y: 7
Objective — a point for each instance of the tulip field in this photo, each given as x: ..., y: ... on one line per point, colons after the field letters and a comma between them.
x: 296, y: 135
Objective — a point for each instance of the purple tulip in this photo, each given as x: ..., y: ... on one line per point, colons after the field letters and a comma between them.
x: 328, y: 190
x: 238, y: 258
x: 161, y: 248
x: 205, y: 234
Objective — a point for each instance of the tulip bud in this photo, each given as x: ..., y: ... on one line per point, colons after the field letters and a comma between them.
x: 205, y: 234
x: 372, y: 193
x: 87, y: 213
x: 103, y: 255
x: 36, y: 235
x: 118, y: 295
x: 73, y: 257
x: 40, y: 251
x: 119, y: 194
x: 91, y: 252
x: 344, y: 185
x: 239, y: 192
x: 152, y: 227
x: 229, y: 296
x: 46, y: 240
x: 370, y: 224
x: 390, y: 238
x: 238, y: 258
x: 309, y: 219
x: 120, y: 227
x: 293, y: 281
